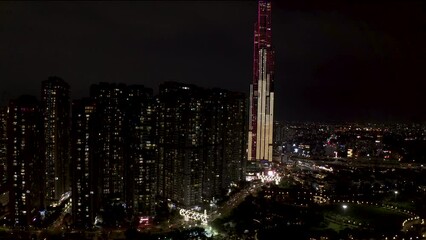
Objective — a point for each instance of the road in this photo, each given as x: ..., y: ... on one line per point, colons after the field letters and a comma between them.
x: 235, y: 201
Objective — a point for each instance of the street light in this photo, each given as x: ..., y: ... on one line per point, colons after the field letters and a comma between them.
x: 396, y: 192
x: 344, y: 206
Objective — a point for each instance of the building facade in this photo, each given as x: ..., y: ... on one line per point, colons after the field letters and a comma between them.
x: 55, y: 106
x: 261, y: 111
x: 141, y: 146
x: 180, y: 142
x: 25, y: 160
x: 224, y: 140
x: 110, y: 142
x: 201, y: 142
x: 114, y: 152
x: 3, y: 144
x: 84, y: 174
x: 235, y: 136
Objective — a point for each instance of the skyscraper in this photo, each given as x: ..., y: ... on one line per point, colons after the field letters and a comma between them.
x: 125, y: 150
x: 141, y: 174
x: 25, y: 155
x: 180, y: 142
x: 3, y: 141
x: 55, y: 102
x: 235, y: 137
x: 110, y: 143
x: 84, y: 174
x: 214, y: 129
x: 261, y: 112
x: 224, y: 136
x: 113, y: 151
x: 201, y: 141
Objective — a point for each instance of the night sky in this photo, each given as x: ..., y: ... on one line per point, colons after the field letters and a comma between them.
x: 335, y: 60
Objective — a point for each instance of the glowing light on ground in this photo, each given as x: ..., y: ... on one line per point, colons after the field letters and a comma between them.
x: 189, y: 214
x: 271, y: 177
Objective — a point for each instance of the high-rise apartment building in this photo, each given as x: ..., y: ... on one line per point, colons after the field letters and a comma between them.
x: 141, y: 150
x: 3, y: 144
x: 110, y: 139
x: 279, y: 130
x: 84, y: 170
x: 25, y: 160
x: 214, y: 115
x: 180, y: 141
x: 55, y: 103
x: 224, y: 140
x: 113, y: 151
x: 201, y: 141
x: 235, y: 138
x: 261, y: 111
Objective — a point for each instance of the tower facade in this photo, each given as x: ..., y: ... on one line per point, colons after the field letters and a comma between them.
x: 180, y: 142
x: 141, y: 150
x: 55, y: 102
x: 83, y: 174
x: 113, y: 152
x: 3, y: 144
x: 224, y: 139
x: 25, y: 160
x: 261, y: 111
x: 110, y: 144
x: 124, y: 152
x: 201, y: 142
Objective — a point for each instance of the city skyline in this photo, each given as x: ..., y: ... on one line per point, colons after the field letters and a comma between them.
x: 149, y: 120
x: 120, y: 146
x: 376, y: 48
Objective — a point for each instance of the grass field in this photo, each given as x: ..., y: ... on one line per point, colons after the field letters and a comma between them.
x: 375, y: 217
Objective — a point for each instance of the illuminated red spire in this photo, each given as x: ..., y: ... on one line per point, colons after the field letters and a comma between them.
x: 262, y: 88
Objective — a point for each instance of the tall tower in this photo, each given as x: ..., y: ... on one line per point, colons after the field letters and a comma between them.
x: 84, y: 178
x: 261, y: 110
x: 110, y: 141
x: 141, y: 150
x: 180, y: 142
x: 25, y: 156
x: 55, y: 102
x: 224, y: 140
x: 3, y: 146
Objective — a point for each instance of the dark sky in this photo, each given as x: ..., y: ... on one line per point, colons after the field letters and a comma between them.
x: 335, y: 60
